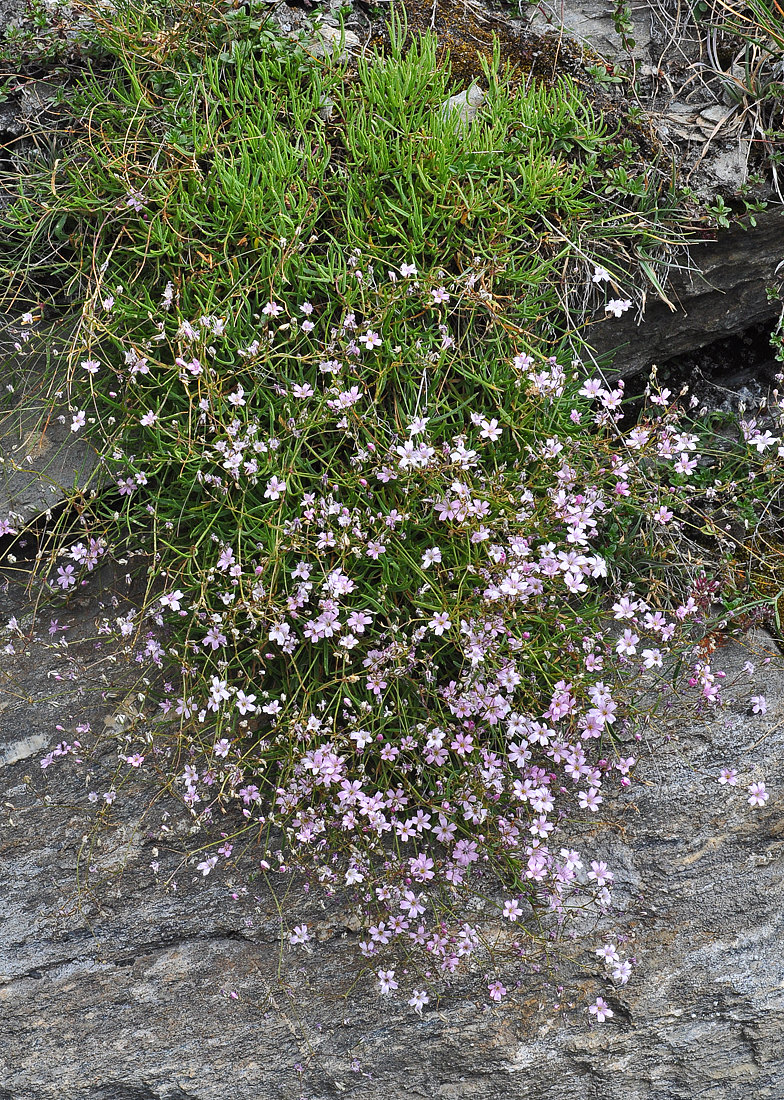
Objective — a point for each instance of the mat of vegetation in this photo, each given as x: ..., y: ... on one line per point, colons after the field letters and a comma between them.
x: 413, y: 559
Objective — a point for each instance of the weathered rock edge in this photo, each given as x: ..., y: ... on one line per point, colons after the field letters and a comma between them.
x: 726, y: 297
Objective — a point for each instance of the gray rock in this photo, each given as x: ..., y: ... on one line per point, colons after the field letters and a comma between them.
x: 591, y: 23
x: 466, y: 105
x: 114, y: 987
x: 728, y: 296
x: 42, y: 461
x: 333, y: 42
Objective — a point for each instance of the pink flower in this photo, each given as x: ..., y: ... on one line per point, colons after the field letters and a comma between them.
x: 759, y: 704
x: 421, y: 868
x: 685, y: 465
x: 299, y: 935
x: 172, y: 600
x: 758, y: 796
x: 590, y: 800
x: 729, y: 776
x: 65, y: 576
x: 245, y: 705
x: 652, y: 657
x: 600, y: 1010
x: 490, y: 430
x: 600, y: 873
x: 512, y: 910
x: 440, y: 623
x: 616, y: 306
x: 496, y: 991
x: 627, y: 643
x: 622, y: 972
x: 386, y: 981
x: 275, y: 487
x: 419, y: 998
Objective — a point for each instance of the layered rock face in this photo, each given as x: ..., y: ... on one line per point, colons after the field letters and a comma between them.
x: 726, y: 295
x: 116, y: 987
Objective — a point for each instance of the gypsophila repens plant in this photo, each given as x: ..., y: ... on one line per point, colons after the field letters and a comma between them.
x: 408, y: 564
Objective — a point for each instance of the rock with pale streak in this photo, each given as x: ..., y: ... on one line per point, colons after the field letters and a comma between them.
x: 466, y: 104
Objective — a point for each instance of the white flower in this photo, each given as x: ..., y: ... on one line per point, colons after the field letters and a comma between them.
x: 275, y: 487
x: 245, y: 705
x: 418, y: 1000
x: 490, y: 430
x: 279, y: 633
x: 386, y: 981
x: 440, y: 623
x: 512, y: 910
x: 172, y: 600
x: 617, y: 307
x: 758, y: 796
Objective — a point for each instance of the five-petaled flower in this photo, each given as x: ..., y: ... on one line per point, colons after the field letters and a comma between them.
x: 207, y: 865
x: 440, y: 623
x: 601, y: 1010
x: 758, y: 796
x: 275, y: 488
x: 512, y: 910
x: 419, y: 999
x: 386, y: 981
